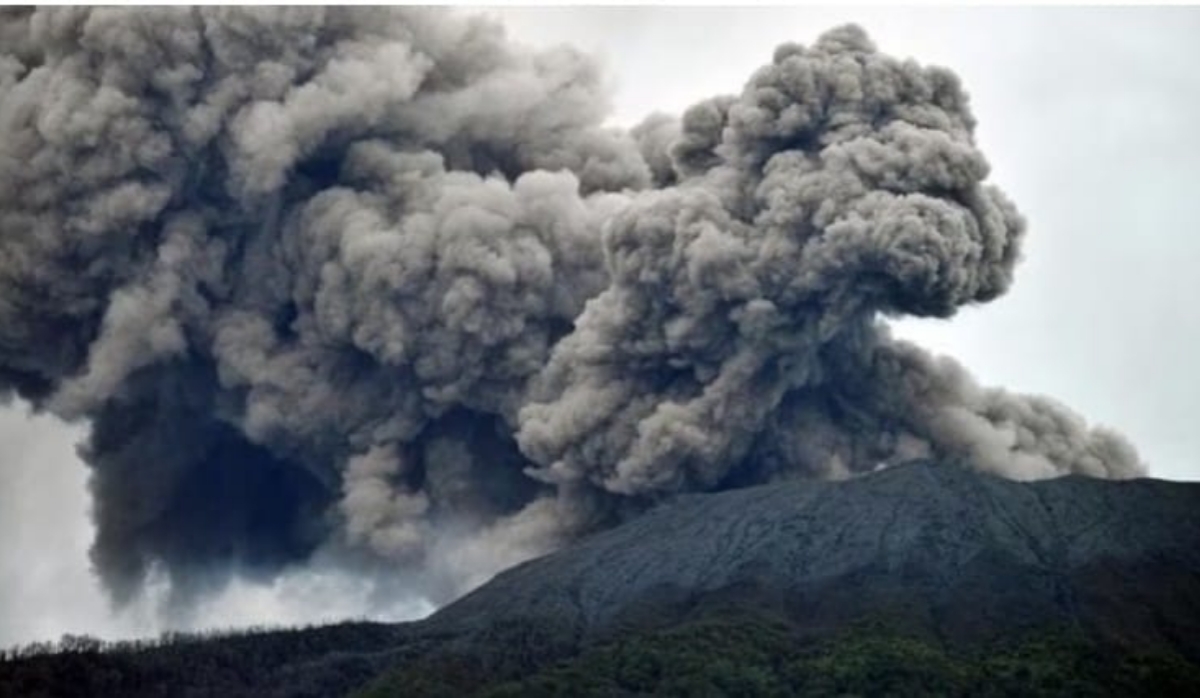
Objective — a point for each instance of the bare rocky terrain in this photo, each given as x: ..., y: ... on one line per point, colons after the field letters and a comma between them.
x: 962, y: 553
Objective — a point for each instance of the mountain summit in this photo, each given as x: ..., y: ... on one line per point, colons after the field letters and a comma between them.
x: 964, y: 554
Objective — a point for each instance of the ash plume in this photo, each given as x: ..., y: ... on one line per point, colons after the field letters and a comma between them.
x: 378, y: 281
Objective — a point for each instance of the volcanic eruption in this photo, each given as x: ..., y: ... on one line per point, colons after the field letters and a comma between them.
x: 378, y: 281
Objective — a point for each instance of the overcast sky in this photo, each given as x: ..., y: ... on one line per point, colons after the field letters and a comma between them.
x: 1088, y: 117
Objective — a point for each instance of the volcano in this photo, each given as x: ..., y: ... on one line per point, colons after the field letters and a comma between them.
x: 925, y: 576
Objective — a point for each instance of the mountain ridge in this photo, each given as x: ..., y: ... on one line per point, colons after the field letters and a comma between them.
x: 800, y: 533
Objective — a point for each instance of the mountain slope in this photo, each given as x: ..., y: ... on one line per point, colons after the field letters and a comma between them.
x: 966, y: 554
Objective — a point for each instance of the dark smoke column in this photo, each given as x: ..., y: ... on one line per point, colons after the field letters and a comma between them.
x: 376, y: 282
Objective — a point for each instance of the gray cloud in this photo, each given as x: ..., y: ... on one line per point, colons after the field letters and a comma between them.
x: 380, y: 284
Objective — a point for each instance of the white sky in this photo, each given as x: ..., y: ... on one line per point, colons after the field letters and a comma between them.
x: 1088, y: 117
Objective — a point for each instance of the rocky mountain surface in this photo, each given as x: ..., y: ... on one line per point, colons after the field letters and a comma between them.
x: 962, y: 553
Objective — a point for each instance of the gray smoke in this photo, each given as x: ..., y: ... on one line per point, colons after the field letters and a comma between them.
x: 379, y: 284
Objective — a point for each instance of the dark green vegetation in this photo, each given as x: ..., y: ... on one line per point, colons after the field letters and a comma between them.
x: 749, y: 656
x: 305, y: 662
x: 722, y: 654
x: 921, y: 580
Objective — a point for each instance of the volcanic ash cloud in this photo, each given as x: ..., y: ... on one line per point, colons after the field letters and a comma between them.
x: 378, y: 283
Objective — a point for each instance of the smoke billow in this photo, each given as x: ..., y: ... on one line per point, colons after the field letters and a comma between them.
x: 378, y: 284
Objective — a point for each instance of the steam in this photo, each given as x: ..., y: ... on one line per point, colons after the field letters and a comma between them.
x: 379, y: 285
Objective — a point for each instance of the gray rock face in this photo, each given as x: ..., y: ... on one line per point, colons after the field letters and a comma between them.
x: 960, y: 552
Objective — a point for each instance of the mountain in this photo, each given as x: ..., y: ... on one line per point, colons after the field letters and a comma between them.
x: 925, y: 576
x: 962, y: 553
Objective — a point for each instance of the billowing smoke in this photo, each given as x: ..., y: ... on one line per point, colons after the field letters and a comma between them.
x: 379, y: 285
